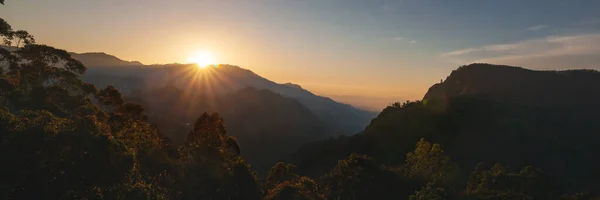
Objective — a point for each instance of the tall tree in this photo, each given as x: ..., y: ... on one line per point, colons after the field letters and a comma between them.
x: 212, y: 168
x: 428, y: 162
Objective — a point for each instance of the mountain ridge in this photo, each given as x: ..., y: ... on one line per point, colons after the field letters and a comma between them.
x: 225, y: 78
x: 520, y: 85
x: 102, y: 59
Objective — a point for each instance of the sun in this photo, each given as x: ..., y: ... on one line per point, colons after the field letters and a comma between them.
x: 202, y: 59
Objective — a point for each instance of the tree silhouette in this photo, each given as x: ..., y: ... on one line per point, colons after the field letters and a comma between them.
x: 5, y: 28
x: 212, y: 168
x: 22, y: 37
x: 429, y: 162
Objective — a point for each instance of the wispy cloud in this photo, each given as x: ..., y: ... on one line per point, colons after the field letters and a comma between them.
x: 403, y: 39
x: 537, y: 28
x: 459, y: 52
x: 552, y: 52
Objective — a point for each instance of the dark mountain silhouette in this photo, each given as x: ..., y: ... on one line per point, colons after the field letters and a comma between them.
x: 488, y: 113
x: 521, y: 86
x: 94, y: 59
x: 223, y: 79
x: 99, y: 59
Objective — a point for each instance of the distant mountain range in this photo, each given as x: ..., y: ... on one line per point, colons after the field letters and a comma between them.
x: 94, y: 59
x: 99, y: 59
x: 223, y: 79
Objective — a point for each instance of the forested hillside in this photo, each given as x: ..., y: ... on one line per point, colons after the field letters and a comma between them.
x: 488, y: 114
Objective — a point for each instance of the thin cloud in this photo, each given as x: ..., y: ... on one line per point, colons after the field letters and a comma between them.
x: 537, y: 28
x: 458, y: 52
x: 409, y: 41
x: 552, y: 52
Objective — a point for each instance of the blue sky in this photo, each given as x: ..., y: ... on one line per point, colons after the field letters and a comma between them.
x: 366, y: 52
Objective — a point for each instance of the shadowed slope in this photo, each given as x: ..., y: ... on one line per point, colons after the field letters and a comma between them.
x: 492, y: 114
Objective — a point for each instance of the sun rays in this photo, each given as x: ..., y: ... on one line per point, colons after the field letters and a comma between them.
x: 201, y: 85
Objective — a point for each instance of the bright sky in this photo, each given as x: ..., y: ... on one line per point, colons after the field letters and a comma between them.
x: 366, y: 52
